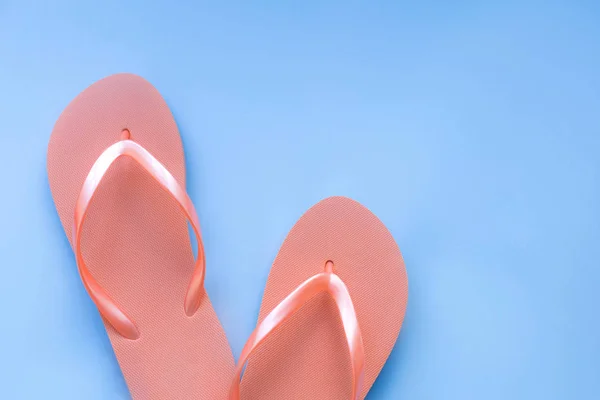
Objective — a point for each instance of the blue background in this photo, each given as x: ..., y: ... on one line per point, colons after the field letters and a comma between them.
x: 471, y: 129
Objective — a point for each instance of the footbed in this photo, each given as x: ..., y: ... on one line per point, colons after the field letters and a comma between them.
x: 307, y: 357
x: 135, y: 240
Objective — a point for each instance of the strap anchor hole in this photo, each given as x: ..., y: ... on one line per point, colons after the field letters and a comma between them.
x: 329, y: 266
x: 125, y: 134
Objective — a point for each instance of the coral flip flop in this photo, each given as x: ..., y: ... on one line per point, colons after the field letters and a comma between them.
x: 117, y: 174
x: 332, y: 309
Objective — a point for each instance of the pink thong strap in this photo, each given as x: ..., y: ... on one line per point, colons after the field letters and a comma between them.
x: 326, y: 281
x: 107, y: 307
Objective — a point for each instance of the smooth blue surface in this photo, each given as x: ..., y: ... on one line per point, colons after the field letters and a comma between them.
x: 472, y: 130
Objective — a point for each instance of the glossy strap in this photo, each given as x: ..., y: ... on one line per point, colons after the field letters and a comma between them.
x: 323, y: 282
x: 107, y: 307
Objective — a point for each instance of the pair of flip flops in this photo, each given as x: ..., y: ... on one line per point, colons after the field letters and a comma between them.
x: 334, y: 300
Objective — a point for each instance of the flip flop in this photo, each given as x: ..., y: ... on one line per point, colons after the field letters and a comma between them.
x: 332, y: 310
x: 117, y: 173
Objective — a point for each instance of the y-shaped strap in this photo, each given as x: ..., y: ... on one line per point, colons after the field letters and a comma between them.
x: 107, y: 307
x: 323, y: 282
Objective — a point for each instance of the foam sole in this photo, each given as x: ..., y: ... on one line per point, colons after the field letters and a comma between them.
x: 135, y: 240
x: 307, y: 357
